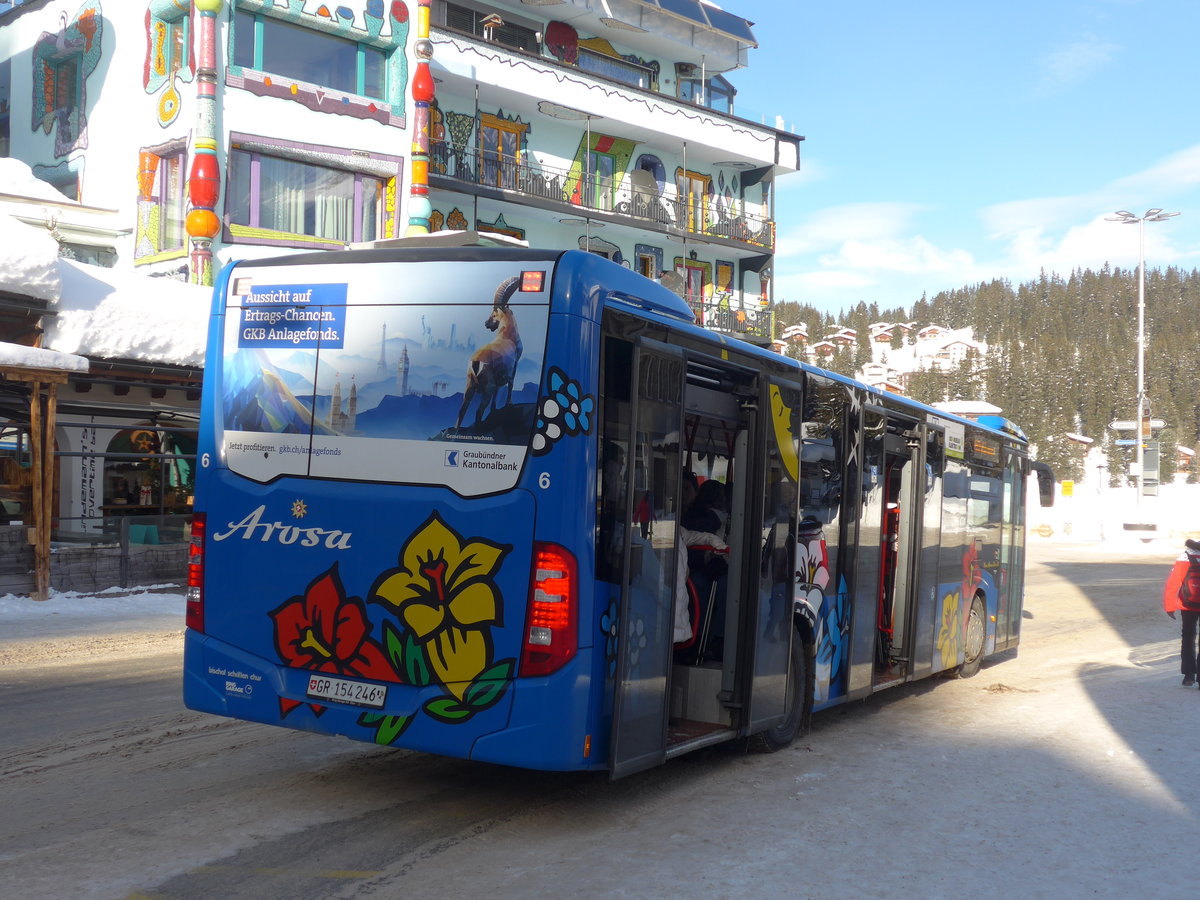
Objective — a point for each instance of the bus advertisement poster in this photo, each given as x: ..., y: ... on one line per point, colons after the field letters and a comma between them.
x: 324, y: 378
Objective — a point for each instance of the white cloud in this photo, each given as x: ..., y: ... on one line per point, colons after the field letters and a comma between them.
x: 1074, y: 63
x: 887, y: 252
x: 811, y: 171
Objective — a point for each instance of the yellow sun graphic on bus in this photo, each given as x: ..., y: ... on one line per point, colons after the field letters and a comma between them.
x: 299, y: 509
x: 444, y: 591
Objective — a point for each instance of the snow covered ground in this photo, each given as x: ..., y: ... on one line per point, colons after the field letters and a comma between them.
x: 158, y: 607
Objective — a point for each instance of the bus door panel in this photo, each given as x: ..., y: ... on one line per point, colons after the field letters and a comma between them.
x: 864, y: 627
x: 924, y: 590
x: 1012, y: 553
x: 906, y: 517
x: 645, y: 616
x: 901, y: 520
x: 775, y: 570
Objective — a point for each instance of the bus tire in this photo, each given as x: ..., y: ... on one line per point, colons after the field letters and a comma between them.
x: 799, y: 704
x: 976, y: 638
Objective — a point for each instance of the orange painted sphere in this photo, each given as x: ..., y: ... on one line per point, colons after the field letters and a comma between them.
x: 202, y: 223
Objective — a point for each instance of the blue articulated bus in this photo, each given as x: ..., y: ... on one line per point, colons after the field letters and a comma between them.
x: 446, y: 501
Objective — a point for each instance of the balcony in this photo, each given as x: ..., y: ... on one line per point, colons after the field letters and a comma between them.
x: 635, y: 201
x: 723, y: 313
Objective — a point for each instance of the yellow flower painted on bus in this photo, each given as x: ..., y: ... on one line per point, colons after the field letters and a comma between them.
x: 950, y: 630
x: 444, y: 592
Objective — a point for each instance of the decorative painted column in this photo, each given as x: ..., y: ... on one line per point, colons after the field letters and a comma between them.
x: 419, y: 207
x: 204, y: 181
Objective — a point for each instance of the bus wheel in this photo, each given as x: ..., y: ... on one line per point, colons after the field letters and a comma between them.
x: 799, y: 687
x: 976, y: 638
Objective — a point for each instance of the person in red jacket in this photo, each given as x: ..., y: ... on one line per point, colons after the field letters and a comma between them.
x: 1181, y: 594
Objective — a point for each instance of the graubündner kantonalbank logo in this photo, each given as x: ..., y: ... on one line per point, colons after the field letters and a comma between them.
x: 452, y: 458
x: 490, y: 460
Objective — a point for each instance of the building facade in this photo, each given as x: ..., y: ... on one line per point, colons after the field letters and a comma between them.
x: 184, y: 134
x: 226, y: 129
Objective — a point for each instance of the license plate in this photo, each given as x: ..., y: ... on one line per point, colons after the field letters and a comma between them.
x: 342, y: 690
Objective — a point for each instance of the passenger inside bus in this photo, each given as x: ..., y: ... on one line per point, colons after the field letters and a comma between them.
x: 703, y: 527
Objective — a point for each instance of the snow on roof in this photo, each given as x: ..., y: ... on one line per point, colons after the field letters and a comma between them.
x: 37, y: 358
x: 107, y: 314
x: 103, y: 313
x: 968, y: 408
x: 18, y: 180
x: 28, y: 260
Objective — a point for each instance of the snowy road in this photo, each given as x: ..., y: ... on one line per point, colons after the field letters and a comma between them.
x: 1064, y: 772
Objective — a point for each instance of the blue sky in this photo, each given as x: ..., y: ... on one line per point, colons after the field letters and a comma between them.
x: 949, y: 143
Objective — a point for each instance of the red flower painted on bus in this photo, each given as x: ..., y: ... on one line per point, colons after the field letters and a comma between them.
x: 972, y: 572
x: 326, y: 631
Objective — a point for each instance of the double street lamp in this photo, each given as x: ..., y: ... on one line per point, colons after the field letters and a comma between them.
x: 1143, y: 411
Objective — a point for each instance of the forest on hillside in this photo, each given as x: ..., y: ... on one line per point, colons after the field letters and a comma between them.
x: 1061, y: 356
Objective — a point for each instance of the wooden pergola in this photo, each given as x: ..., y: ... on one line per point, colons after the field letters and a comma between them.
x: 43, y: 382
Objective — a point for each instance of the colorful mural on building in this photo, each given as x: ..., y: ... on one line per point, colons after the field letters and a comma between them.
x: 170, y: 55
x: 63, y: 62
x: 340, y: 22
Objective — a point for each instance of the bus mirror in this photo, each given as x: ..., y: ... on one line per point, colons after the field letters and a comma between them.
x: 1045, y: 478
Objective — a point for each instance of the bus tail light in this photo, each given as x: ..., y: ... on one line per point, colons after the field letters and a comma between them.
x: 552, y: 624
x: 195, y: 575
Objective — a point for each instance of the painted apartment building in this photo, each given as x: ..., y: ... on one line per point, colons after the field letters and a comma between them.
x: 185, y: 134
x: 223, y: 129
x: 611, y: 127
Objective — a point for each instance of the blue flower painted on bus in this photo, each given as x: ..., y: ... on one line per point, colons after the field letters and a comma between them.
x: 564, y: 411
x: 609, y: 625
x: 833, y: 643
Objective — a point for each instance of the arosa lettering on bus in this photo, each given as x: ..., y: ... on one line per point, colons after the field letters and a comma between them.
x: 249, y: 527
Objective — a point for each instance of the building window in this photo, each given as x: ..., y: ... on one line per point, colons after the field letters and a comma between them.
x: 616, y: 69
x: 162, y: 203
x: 693, y: 190
x: 289, y: 194
x: 500, y: 150
x: 65, y: 79
x: 305, y: 54
x: 716, y: 93
x: 476, y: 22
x: 601, y: 167
x: 104, y: 257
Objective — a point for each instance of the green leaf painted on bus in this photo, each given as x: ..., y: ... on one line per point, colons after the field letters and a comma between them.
x: 391, y: 728
x: 416, y: 664
x: 448, y: 710
x: 387, y: 728
x: 393, y: 643
x: 489, y: 686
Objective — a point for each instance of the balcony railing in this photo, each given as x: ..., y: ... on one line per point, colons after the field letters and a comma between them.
x: 589, y: 191
x: 723, y: 313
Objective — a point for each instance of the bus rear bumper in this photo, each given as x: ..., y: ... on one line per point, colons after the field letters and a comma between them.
x: 551, y: 725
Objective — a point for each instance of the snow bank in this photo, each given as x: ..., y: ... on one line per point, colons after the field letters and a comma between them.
x: 152, y: 607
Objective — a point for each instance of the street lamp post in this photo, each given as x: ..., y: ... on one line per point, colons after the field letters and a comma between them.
x: 1128, y: 218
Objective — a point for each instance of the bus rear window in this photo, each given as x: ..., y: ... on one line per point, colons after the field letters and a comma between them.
x: 396, y: 372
